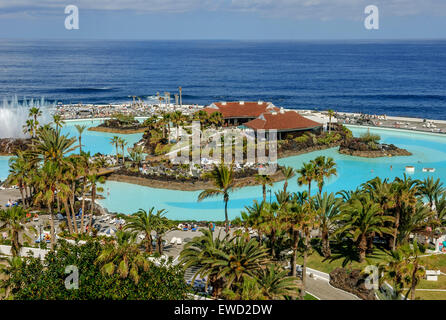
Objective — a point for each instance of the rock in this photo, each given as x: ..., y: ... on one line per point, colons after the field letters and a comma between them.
x: 11, y: 145
x: 353, y: 282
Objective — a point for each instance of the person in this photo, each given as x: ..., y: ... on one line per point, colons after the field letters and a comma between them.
x: 9, y: 204
x: 391, y: 167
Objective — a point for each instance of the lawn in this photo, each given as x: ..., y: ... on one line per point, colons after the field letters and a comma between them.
x: 309, y: 297
x: 318, y: 262
x: 440, y: 284
x: 435, y: 262
x: 430, y: 295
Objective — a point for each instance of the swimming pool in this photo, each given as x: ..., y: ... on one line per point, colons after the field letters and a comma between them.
x: 429, y: 150
x: 4, y: 168
x: 94, y: 141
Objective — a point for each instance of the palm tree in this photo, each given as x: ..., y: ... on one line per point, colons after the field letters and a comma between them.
x: 162, y: 225
x: 51, y: 146
x: 405, y: 194
x: 306, y: 175
x: 324, y: 169
x: 275, y: 284
x: 19, y: 169
x: 57, y: 120
x: 122, y: 144
x: 264, y: 180
x: 11, y: 266
x: 47, y: 185
x: 122, y: 256
x: 224, y: 182
x: 254, y: 217
x: 94, y: 180
x: 288, y: 173
x: 136, y: 155
x: 330, y: 115
x: 29, y: 128
x: 327, y: 208
x: 80, y: 129
x: 361, y: 217
x: 431, y: 190
x: 202, y: 252
x: 145, y: 222
x: 115, y: 142
x: 241, y: 258
x: 13, y: 220
x: 405, y: 268
x: 34, y: 112
x: 293, y: 220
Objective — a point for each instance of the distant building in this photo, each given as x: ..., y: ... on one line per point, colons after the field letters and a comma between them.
x: 240, y: 112
x: 285, y: 122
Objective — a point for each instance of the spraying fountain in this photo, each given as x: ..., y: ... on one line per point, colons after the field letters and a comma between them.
x: 14, y: 113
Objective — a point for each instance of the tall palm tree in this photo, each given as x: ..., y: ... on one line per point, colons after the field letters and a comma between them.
x: 162, y: 225
x: 324, y: 168
x: 115, y: 142
x: 293, y: 219
x: 288, y: 173
x: 34, y: 112
x: 12, y: 220
x: 58, y: 122
x: 29, y: 128
x: 122, y: 144
x: 327, y: 208
x: 47, y: 185
x: 405, y: 194
x: 330, y: 115
x: 80, y: 129
x: 264, y: 180
x: 122, y: 256
x: 94, y: 179
x: 224, y: 182
x: 254, y: 217
x: 307, y: 174
x: 19, y: 169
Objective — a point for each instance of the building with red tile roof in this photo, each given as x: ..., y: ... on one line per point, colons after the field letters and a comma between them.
x: 239, y: 112
x: 284, y: 122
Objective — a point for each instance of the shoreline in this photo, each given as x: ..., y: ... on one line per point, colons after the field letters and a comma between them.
x: 117, y: 131
x: 187, y: 186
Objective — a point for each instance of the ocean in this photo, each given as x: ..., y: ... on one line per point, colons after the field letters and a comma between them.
x: 405, y: 78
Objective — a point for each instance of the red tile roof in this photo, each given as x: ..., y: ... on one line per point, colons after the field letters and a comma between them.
x: 282, y: 120
x: 240, y: 109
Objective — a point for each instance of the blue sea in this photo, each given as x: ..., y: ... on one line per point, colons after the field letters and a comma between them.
x: 406, y: 78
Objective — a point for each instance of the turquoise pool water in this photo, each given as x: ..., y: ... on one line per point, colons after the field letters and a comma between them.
x: 98, y: 141
x: 429, y: 150
x: 4, y: 168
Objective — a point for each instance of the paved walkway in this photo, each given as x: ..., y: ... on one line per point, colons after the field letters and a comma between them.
x: 324, y: 291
